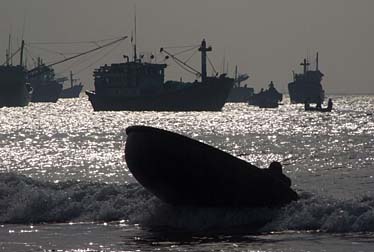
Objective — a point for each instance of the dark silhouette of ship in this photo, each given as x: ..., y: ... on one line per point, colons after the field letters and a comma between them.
x: 269, y: 98
x: 46, y: 87
x: 74, y: 90
x: 307, y: 87
x: 140, y: 86
x: 240, y: 93
x: 14, y: 90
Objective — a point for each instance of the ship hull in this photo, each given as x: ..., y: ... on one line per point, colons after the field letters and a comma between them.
x: 209, y: 96
x: 72, y: 92
x: 240, y: 94
x: 14, y: 90
x: 46, y: 92
x: 301, y: 93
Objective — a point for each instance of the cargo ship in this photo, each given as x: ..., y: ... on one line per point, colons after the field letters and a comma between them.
x: 306, y: 87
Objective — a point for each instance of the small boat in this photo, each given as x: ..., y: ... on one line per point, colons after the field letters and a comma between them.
x: 269, y: 98
x: 185, y: 172
x: 74, y: 90
x: 318, y: 107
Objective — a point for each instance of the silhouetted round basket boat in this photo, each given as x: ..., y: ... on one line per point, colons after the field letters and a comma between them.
x: 183, y: 171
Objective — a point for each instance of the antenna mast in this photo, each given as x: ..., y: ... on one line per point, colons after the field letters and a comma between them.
x: 135, y: 56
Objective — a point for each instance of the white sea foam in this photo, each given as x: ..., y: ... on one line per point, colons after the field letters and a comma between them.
x: 24, y: 201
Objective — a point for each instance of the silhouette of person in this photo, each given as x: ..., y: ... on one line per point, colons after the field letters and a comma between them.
x: 319, y: 105
x: 306, y: 105
x: 275, y: 169
x: 329, y: 104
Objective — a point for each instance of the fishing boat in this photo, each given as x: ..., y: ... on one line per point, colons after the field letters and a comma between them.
x: 269, y: 98
x: 140, y: 86
x: 239, y: 92
x: 74, y: 90
x: 14, y: 90
x: 46, y: 87
x: 182, y: 171
x: 306, y: 86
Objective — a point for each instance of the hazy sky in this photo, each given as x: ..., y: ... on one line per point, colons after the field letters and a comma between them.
x: 265, y: 38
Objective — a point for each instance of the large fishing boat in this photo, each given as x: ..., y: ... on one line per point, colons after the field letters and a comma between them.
x: 74, y: 90
x: 307, y: 87
x: 140, y: 86
x: 46, y: 87
x: 14, y: 90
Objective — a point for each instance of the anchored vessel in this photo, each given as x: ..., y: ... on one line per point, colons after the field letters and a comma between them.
x: 269, y: 98
x: 74, y: 90
x: 240, y: 93
x: 182, y: 171
x: 46, y: 87
x: 140, y: 86
x: 15, y: 91
x: 307, y: 87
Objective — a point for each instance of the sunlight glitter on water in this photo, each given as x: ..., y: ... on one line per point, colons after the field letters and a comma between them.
x: 67, y: 140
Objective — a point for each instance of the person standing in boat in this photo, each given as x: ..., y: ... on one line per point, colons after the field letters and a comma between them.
x: 329, y: 104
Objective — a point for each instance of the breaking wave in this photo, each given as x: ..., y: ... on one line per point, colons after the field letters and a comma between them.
x: 24, y: 200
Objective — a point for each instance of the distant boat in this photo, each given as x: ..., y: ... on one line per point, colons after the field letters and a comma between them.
x: 14, y: 90
x: 46, y: 87
x: 240, y: 93
x: 269, y: 98
x: 139, y: 86
x: 307, y: 87
x: 186, y: 172
x: 73, y: 91
x: 318, y: 107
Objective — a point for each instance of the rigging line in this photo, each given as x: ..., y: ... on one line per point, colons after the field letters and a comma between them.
x: 175, y: 47
x: 211, y: 64
x: 83, y: 60
x: 50, y: 51
x: 100, y: 58
x: 73, y: 42
x: 187, y: 50
x: 87, y: 52
x: 30, y: 55
x: 190, y: 57
x: 181, y: 62
x: 185, y: 68
x: 12, y: 55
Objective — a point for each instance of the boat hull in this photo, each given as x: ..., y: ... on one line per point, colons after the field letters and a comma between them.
x: 183, y: 171
x: 46, y: 91
x: 15, y: 92
x: 209, y: 96
x: 240, y: 94
x: 72, y: 92
x: 303, y: 92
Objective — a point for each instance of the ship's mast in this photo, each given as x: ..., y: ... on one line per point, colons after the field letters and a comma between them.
x: 305, y: 65
x: 317, y: 62
x: 7, y: 57
x: 236, y: 76
x: 71, y: 78
x: 203, y: 49
x: 21, y: 57
x: 135, y: 56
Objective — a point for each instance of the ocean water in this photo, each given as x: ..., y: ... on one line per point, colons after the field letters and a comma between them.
x: 64, y: 184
